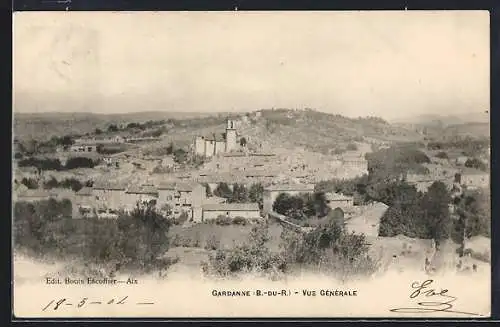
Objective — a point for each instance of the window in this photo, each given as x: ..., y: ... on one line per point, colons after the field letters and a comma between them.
x: 89, y: 149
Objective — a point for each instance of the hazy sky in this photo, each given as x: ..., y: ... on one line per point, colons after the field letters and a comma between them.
x: 389, y: 64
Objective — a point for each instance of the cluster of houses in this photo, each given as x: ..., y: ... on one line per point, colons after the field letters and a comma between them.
x: 470, y: 178
x: 174, y: 198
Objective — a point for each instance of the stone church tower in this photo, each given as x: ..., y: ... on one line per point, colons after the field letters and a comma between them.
x: 231, y: 138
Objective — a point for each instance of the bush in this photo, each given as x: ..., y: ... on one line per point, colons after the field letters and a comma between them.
x: 79, y: 162
x: 135, y: 241
x: 30, y: 183
x: 212, y: 243
x: 442, y: 155
x: 239, y: 221
x: 42, y: 164
x: 329, y: 249
x: 71, y: 183
x: 252, y: 256
x: 475, y: 163
x: 223, y: 220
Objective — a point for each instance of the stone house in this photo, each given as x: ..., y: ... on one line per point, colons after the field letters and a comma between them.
x: 182, y: 197
x: 145, y: 194
x: 231, y: 210
x: 474, y: 178
x: 110, y: 195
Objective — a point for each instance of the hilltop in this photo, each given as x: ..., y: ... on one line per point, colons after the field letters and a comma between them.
x: 42, y: 126
x: 265, y: 129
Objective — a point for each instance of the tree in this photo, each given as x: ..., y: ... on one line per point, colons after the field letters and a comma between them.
x: 30, y: 183
x: 436, y: 213
x: 154, y: 228
x: 223, y: 191
x: 336, y: 216
x: 290, y: 206
x: 442, y: 155
x: 112, y: 128
x: 66, y: 141
x: 243, y: 142
x: 170, y: 148
x: 320, y: 204
x: 475, y: 163
x: 180, y: 156
x: 98, y: 131
x: 208, y: 191
x: 239, y: 194
x: 474, y: 216
x: 256, y: 194
x: 79, y: 162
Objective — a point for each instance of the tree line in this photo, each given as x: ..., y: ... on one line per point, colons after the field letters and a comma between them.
x: 55, y: 164
x: 239, y: 193
x: 69, y: 183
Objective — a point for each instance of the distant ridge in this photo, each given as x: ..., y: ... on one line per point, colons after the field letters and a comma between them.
x: 445, y: 120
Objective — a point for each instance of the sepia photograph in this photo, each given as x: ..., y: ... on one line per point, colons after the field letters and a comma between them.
x: 251, y: 164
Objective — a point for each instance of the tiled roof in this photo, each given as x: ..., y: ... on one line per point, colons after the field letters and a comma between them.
x: 142, y: 189
x: 166, y: 186
x: 178, y: 186
x: 185, y: 186
x: 231, y: 207
x: 105, y: 185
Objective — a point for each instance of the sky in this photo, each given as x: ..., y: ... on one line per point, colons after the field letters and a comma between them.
x: 387, y: 64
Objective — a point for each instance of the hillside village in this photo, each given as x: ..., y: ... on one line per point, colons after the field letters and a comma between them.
x: 193, y: 174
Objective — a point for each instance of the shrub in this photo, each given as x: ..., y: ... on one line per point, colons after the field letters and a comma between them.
x: 223, y: 220
x: 30, y: 183
x: 212, y: 243
x: 329, y: 249
x: 79, y: 162
x: 475, y: 163
x: 71, y: 183
x: 252, y: 256
x: 42, y: 164
x: 442, y: 155
x: 134, y: 240
x: 239, y: 221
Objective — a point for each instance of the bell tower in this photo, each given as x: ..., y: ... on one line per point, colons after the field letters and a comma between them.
x: 231, y: 142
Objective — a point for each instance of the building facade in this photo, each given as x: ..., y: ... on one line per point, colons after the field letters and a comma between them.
x: 231, y: 210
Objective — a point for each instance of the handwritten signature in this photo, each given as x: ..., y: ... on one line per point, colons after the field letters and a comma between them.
x: 57, y: 304
x: 440, y: 301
